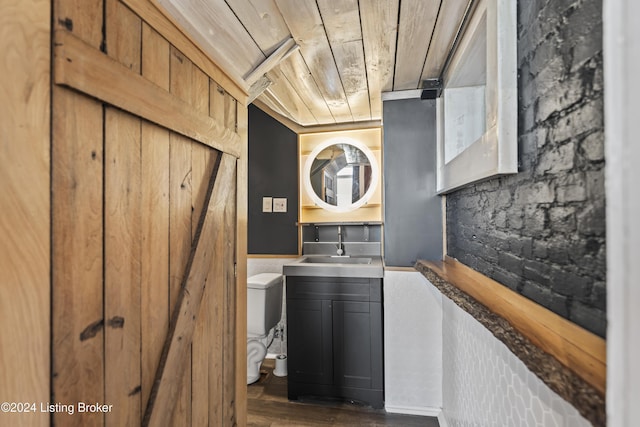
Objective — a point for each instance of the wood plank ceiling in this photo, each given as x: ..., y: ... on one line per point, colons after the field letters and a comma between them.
x: 350, y: 51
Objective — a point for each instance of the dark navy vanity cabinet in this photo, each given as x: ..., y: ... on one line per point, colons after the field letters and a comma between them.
x: 335, y: 343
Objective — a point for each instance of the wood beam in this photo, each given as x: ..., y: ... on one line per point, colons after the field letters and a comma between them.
x: 288, y: 47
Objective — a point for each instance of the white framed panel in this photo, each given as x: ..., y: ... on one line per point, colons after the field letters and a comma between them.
x: 477, y: 141
x: 622, y: 152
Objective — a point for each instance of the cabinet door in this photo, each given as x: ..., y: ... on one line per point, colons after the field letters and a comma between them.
x: 309, y: 341
x: 357, y: 344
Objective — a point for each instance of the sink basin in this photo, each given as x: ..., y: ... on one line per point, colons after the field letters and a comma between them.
x: 336, y: 260
x: 335, y: 266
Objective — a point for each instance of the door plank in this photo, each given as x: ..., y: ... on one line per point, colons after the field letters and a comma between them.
x: 230, y: 337
x: 180, y: 85
x: 77, y: 306
x: 179, y: 225
x: 82, y: 17
x: 123, y: 35
x: 241, y: 187
x: 155, y: 217
x: 215, y: 293
x: 203, y: 161
x: 122, y: 267
x: 122, y: 213
x: 155, y: 250
x: 155, y: 64
x: 173, y: 361
x: 77, y: 229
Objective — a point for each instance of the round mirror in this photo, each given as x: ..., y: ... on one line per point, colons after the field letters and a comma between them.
x: 340, y: 174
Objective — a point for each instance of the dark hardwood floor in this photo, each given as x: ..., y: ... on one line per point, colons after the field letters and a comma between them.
x: 268, y: 406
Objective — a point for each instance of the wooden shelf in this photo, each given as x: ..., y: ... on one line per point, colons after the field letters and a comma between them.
x: 566, y: 357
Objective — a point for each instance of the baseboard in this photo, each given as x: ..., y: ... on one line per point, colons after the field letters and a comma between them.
x: 442, y: 421
x: 414, y: 410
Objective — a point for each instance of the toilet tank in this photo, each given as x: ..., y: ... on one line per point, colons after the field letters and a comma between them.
x: 264, y: 303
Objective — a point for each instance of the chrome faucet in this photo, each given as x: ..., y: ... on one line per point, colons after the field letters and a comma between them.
x: 340, y: 250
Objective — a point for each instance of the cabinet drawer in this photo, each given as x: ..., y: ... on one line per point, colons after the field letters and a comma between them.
x: 334, y: 288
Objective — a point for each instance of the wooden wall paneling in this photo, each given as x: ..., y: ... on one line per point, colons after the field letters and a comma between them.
x: 379, y: 22
x: 156, y: 19
x: 24, y: 196
x: 417, y: 20
x: 77, y: 321
x: 122, y: 267
x: 305, y: 23
x: 184, y: 317
x: 444, y: 33
x: 155, y: 218
x: 242, y: 184
x: 341, y: 20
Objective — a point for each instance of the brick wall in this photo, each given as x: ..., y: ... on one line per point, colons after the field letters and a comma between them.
x: 541, y: 232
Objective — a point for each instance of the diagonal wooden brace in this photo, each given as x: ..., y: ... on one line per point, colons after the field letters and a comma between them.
x: 171, y: 368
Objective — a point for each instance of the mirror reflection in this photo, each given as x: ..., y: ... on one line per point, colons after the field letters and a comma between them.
x: 341, y: 174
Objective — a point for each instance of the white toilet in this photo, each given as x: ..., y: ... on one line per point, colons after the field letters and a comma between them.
x: 264, y: 309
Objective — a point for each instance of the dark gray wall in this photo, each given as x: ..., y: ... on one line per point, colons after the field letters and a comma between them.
x: 542, y: 232
x: 412, y: 210
x: 273, y: 172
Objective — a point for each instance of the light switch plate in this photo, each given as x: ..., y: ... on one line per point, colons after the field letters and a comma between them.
x: 279, y: 204
x: 267, y: 203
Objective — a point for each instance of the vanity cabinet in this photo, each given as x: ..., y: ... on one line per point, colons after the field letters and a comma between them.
x: 334, y: 341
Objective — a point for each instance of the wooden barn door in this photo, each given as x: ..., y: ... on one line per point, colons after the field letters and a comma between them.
x: 147, y: 224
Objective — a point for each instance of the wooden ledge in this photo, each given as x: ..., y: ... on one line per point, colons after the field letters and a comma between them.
x: 568, y: 358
